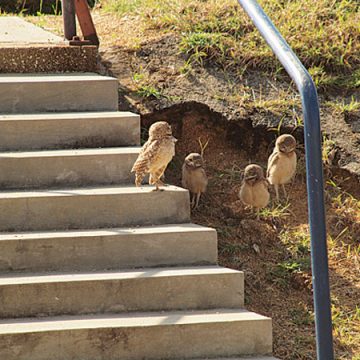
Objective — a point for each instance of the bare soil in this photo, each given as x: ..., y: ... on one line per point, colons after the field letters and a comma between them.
x: 287, y: 300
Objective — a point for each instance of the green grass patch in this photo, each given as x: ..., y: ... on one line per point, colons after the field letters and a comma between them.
x: 349, y: 107
x: 202, y: 46
x: 148, y: 91
x: 325, y: 34
x: 275, y: 212
x: 144, y: 88
x: 346, y: 323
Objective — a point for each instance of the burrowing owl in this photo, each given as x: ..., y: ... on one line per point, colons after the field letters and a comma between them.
x: 194, y: 177
x: 254, y: 189
x: 282, y: 163
x: 155, y: 154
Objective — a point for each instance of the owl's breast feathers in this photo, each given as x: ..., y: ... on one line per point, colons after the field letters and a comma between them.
x: 155, y: 153
x: 281, y: 167
x: 194, y: 179
x: 256, y: 195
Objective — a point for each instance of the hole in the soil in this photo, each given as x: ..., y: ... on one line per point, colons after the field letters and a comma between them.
x: 241, y: 134
x: 232, y: 144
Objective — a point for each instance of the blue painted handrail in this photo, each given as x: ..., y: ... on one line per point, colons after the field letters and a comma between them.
x: 312, y: 134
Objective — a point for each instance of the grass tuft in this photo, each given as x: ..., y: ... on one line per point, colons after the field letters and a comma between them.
x: 148, y: 91
x: 325, y: 34
x: 275, y: 212
x: 143, y: 86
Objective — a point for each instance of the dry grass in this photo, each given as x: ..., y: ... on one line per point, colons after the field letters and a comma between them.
x: 325, y: 34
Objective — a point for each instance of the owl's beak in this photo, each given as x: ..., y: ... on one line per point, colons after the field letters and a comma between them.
x: 251, y: 177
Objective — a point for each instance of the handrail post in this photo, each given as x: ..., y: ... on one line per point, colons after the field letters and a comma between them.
x: 314, y: 176
x: 68, y: 10
x: 85, y: 21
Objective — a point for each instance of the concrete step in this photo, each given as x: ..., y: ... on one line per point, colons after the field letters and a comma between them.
x: 86, y: 250
x: 166, y: 335
x: 156, y: 289
x: 89, y: 208
x: 46, y: 58
x: 56, y: 168
x: 26, y: 48
x: 29, y: 93
x: 68, y: 130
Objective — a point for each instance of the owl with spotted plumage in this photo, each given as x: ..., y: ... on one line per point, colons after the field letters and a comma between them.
x: 155, y: 154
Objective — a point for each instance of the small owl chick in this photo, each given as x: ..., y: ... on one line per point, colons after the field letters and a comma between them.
x: 282, y: 163
x: 155, y: 154
x: 254, y: 189
x: 194, y: 177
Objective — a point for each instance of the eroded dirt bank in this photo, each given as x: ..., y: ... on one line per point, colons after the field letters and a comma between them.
x: 153, y: 78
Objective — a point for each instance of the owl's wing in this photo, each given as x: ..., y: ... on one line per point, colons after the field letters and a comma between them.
x: 147, y: 154
x: 266, y: 183
x: 203, y: 176
x: 273, y: 159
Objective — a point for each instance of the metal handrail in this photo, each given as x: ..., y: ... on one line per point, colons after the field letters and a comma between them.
x: 80, y: 9
x: 314, y: 176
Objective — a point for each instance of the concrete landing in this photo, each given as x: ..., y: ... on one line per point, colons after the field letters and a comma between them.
x: 26, y: 48
x: 16, y: 30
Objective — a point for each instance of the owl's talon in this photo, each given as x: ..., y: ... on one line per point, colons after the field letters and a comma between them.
x: 158, y: 189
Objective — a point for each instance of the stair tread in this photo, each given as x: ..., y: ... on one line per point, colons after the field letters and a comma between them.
x: 74, y: 77
x: 73, y: 116
x: 68, y: 130
x: 125, y: 231
x: 168, y: 318
x: 22, y: 93
x: 124, y: 274
x: 70, y: 152
x: 183, y: 244
x: 99, y: 190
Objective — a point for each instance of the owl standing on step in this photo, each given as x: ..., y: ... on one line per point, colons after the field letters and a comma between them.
x: 194, y: 177
x: 254, y: 188
x: 282, y: 163
x: 155, y: 154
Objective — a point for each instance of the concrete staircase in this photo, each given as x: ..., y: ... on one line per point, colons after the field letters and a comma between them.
x: 92, y: 268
